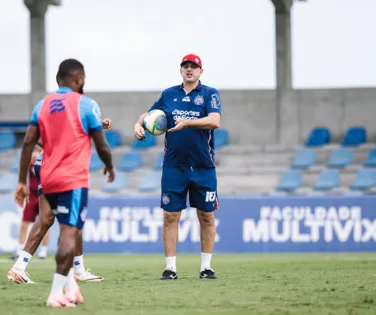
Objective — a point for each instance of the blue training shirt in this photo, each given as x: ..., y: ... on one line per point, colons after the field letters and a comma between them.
x: 90, y: 114
x: 191, y: 147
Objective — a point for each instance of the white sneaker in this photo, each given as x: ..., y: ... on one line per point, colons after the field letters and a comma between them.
x: 87, y: 276
x: 60, y: 302
x: 19, y: 277
x: 74, y: 296
x: 42, y: 255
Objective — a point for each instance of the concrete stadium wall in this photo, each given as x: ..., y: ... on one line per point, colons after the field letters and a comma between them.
x: 251, y: 116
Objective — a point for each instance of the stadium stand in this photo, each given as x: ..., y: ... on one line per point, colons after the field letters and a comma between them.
x: 304, y: 158
x: 318, y: 137
x: 95, y: 162
x: 8, y: 182
x: 16, y: 164
x: 148, y: 142
x: 130, y: 161
x: 7, y: 141
x: 117, y: 185
x: 340, y: 158
x: 113, y: 138
x: 159, y: 162
x: 355, y: 136
x: 371, y: 158
x: 151, y: 181
x: 221, y: 138
x: 291, y: 180
x: 365, y: 180
x: 325, y: 167
x: 328, y: 180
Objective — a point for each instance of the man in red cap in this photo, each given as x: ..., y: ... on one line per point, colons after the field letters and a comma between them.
x: 193, y: 111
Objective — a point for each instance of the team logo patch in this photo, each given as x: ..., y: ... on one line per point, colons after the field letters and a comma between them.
x: 165, y: 199
x: 199, y: 100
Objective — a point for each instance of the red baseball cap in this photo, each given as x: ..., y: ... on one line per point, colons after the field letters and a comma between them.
x: 192, y: 58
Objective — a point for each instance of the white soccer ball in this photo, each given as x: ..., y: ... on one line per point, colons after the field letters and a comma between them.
x: 155, y: 122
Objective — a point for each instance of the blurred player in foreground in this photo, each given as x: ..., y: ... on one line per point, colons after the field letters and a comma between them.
x: 31, y: 211
x: 193, y: 110
x: 44, y: 221
x: 65, y: 121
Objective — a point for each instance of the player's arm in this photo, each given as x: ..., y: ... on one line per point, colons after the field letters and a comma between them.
x: 139, y: 130
x: 94, y: 124
x: 102, y: 148
x: 30, y: 140
x: 212, y: 121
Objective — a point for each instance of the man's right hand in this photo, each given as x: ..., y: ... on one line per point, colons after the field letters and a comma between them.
x: 139, y: 131
x: 21, y: 193
x: 111, y: 174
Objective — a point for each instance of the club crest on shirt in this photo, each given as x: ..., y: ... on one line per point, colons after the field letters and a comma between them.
x: 165, y: 199
x: 199, y: 100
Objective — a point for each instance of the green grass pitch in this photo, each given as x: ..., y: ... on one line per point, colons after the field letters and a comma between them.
x: 247, y: 284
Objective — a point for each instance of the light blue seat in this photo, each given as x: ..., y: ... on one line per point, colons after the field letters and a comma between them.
x: 117, y: 185
x: 304, y: 158
x: 8, y: 182
x: 150, y: 141
x: 16, y: 163
x: 328, y: 179
x: 340, y: 158
x: 95, y: 162
x: 221, y: 138
x: 290, y: 181
x: 318, y: 137
x: 151, y: 181
x: 158, y: 164
x: 113, y: 138
x: 7, y: 141
x: 365, y: 179
x: 355, y: 136
x: 130, y: 161
x: 371, y: 159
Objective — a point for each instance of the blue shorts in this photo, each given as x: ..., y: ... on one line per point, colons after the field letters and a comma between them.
x: 200, y: 183
x: 70, y: 207
x: 37, y: 174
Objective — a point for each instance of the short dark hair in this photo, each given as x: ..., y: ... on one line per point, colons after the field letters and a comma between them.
x: 67, y: 67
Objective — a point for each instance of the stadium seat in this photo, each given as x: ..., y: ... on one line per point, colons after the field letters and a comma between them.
x: 130, y: 161
x: 7, y: 141
x: 8, y: 182
x: 328, y: 179
x: 159, y: 162
x: 151, y: 181
x: 149, y: 142
x: 365, y: 179
x: 371, y: 159
x: 118, y: 184
x: 113, y: 138
x: 318, y: 137
x: 220, y: 138
x: 340, y: 158
x: 290, y: 181
x: 16, y: 163
x: 304, y: 158
x: 95, y: 162
x: 355, y: 136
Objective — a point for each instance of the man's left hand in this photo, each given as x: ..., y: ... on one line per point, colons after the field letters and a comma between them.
x: 179, y: 125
